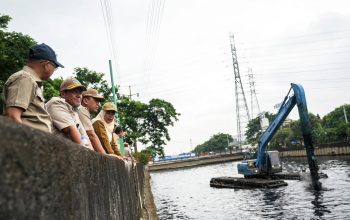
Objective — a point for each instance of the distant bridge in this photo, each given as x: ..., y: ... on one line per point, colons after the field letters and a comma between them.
x: 195, y: 161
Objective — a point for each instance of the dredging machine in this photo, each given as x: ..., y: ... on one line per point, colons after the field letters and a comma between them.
x: 266, y: 170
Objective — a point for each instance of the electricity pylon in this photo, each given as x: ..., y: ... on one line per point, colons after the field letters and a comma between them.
x: 242, y: 112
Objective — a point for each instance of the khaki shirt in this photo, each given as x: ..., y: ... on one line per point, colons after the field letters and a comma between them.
x: 85, y: 118
x: 64, y: 115
x: 23, y: 90
x: 101, y: 132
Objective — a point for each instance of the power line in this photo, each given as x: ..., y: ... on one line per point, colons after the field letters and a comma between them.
x: 302, y: 71
x: 152, y: 37
x: 111, y: 38
x: 265, y: 45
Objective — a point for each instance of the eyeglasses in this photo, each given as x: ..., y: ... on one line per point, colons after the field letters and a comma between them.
x: 54, y: 65
x: 49, y: 62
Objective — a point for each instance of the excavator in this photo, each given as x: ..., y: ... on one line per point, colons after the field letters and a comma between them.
x: 266, y: 170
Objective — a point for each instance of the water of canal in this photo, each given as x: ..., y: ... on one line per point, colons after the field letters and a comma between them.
x: 186, y: 194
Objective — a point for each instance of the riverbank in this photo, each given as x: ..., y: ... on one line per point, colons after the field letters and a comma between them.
x: 325, y: 150
x: 196, y: 161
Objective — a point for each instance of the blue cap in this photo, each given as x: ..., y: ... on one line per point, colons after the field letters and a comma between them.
x: 43, y: 52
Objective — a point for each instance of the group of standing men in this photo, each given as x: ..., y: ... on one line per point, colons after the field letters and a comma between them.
x: 68, y: 115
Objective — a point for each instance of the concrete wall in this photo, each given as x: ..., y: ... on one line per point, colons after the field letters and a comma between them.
x: 45, y: 177
x: 319, y: 151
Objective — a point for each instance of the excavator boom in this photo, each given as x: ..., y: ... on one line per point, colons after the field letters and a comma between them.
x: 264, y: 162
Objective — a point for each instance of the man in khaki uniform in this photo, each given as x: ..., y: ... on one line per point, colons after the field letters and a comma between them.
x: 23, y: 95
x: 90, y: 104
x: 64, y: 112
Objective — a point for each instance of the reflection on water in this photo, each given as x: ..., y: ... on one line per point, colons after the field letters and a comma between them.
x: 186, y: 194
x: 319, y: 208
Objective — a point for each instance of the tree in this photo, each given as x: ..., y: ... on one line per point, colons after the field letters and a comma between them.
x: 217, y: 143
x: 335, y: 128
x: 93, y: 79
x: 52, y: 88
x: 254, y: 128
x: 4, y: 20
x: 132, y: 116
x: 14, y: 47
x: 281, y: 138
x: 159, y: 115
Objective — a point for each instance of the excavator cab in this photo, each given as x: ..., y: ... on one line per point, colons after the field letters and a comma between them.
x: 274, y: 162
x: 273, y: 165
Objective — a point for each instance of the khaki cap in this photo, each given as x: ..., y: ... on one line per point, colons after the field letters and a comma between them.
x: 93, y: 93
x: 109, y: 106
x: 71, y: 83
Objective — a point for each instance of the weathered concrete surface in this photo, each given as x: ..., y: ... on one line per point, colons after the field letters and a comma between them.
x: 198, y: 161
x: 149, y: 211
x: 46, y: 177
x: 318, y: 151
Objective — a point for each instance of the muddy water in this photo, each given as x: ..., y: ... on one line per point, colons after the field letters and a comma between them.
x: 186, y: 194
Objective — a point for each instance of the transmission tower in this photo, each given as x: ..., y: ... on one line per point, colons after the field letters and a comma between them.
x: 254, y: 104
x: 242, y: 112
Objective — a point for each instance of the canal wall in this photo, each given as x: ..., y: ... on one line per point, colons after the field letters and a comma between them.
x: 46, y: 177
x: 326, y: 150
x: 197, y: 161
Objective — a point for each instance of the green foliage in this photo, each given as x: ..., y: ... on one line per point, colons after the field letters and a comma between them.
x: 52, y: 88
x: 216, y: 143
x: 14, y: 49
x: 158, y: 116
x: 331, y: 128
x: 334, y: 126
x: 254, y: 128
x: 132, y: 116
x: 148, y: 122
x: 93, y: 79
x: 282, y: 138
x: 143, y: 157
x: 4, y: 20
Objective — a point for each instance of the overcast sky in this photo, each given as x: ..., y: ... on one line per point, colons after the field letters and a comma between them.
x: 179, y: 51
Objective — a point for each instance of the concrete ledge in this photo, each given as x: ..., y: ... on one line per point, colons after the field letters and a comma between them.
x: 150, y: 210
x: 46, y: 177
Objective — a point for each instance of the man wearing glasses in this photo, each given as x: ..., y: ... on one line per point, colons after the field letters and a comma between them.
x: 64, y: 112
x: 23, y: 95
